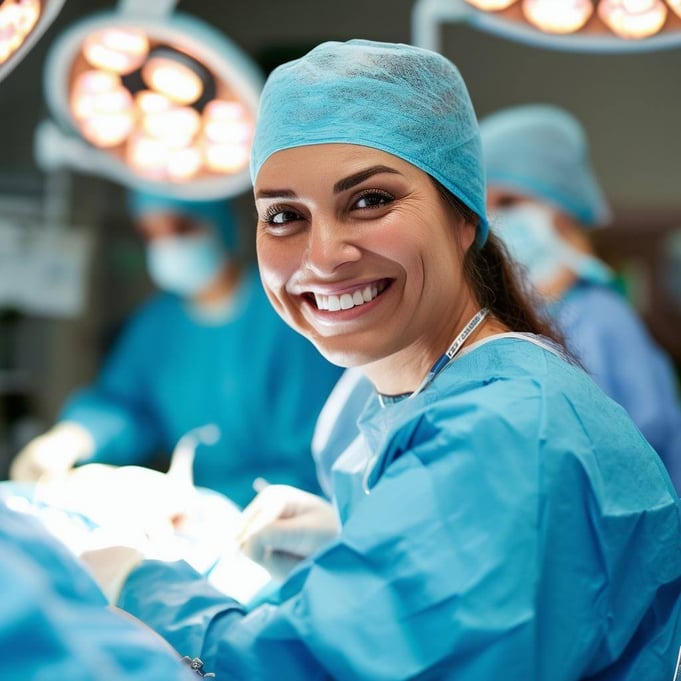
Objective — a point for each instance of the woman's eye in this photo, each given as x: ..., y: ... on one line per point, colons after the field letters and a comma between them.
x: 374, y: 199
x: 277, y: 216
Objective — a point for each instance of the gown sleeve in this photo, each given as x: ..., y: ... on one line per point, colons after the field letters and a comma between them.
x: 55, y: 623
x: 114, y: 409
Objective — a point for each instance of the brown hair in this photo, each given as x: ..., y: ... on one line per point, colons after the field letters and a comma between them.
x: 496, y: 282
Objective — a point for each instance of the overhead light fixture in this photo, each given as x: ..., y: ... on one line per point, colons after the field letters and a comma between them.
x: 576, y: 25
x: 550, y: 16
x: 633, y: 19
x: 152, y: 99
x: 22, y: 22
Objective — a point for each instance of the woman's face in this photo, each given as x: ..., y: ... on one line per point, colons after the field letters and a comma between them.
x: 359, y: 253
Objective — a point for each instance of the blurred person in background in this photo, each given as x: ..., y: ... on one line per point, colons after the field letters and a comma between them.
x: 544, y: 196
x: 207, y: 349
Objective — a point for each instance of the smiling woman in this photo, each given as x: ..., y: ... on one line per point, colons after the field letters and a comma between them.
x: 364, y: 221
x: 497, y: 513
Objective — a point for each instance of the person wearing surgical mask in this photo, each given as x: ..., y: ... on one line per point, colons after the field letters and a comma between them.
x: 544, y: 197
x: 206, y: 350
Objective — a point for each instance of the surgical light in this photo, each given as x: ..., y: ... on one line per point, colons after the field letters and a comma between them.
x: 17, y: 19
x: 491, y: 5
x: 119, y: 50
x: 175, y: 75
x: 575, y: 25
x: 567, y: 16
x: 153, y: 99
x: 633, y: 19
x: 22, y: 22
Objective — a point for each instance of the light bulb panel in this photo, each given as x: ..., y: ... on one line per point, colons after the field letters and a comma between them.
x: 152, y: 135
x: 21, y: 28
x: 512, y: 23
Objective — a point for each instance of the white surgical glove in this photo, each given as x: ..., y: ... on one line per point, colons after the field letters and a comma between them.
x: 283, y: 525
x: 52, y: 454
x: 111, y: 566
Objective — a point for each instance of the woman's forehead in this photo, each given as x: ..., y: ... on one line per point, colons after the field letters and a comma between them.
x: 335, y: 159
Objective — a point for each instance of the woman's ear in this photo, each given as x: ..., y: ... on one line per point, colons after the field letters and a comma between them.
x: 467, y: 231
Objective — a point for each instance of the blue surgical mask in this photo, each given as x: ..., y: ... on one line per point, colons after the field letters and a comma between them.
x: 528, y: 232
x: 186, y: 265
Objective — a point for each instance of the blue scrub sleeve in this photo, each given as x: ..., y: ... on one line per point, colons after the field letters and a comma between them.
x: 114, y: 409
x: 505, y: 573
x: 55, y: 623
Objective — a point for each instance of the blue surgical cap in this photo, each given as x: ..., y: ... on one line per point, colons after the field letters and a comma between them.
x: 541, y: 151
x: 401, y: 99
x: 217, y: 213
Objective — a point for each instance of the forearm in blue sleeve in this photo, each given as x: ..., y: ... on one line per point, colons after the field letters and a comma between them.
x: 123, y: 434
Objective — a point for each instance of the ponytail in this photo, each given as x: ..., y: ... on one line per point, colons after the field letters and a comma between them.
x: 496, y: 283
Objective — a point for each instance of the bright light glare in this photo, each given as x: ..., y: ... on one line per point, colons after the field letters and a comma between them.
x: 550, y: 16
x: 227, y: 121
x: 177, y: 126
x: 226, y: 158
x: 89, y: 87
x: 17, y: 20
x: 183, y: 164
x: 149, y: 102
x: 147, y: 156
x: 102, y: 107
x: 173, y: 79
x: 675, y: 5
x: 633, y: 18
x: 491, y: 5
x: 107, y: 129
x: 116, y: 49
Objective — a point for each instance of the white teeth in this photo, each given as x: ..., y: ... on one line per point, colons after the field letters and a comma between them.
x: 346, y: 300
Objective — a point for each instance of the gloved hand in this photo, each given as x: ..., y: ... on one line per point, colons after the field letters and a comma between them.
x: 52, y: 454
x: 283, y: 525
x: 111, y: 566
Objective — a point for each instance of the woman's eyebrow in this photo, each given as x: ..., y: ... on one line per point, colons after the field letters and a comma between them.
x: 275, y: 194
x: 357, y: 178
x: 340, y: 186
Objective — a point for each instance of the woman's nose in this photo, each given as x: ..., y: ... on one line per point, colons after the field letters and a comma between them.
x: 331, y: 244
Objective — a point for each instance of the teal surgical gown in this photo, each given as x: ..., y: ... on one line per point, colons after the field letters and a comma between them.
x: 261, y: 383
x: 619, y: 353
x: 517, y: 526
x: 55, y: 623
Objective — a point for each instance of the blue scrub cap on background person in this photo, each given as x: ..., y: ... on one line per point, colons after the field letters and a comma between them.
x: 542, y: 151
x: 218, y: 213
x: 401, y: 99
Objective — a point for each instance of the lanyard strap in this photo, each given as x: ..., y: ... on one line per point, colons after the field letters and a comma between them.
x: 456, y: 345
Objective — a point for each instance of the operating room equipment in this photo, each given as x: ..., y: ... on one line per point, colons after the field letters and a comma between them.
x: 162, y: 514
x: 608, y: 26
x: 23, y: 22
x: 153, y: 99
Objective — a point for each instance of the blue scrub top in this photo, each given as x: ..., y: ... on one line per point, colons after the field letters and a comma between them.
x: 54, y: 620
x: 615, y: 347
x: 253, y: 376
x: 517, y: 526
